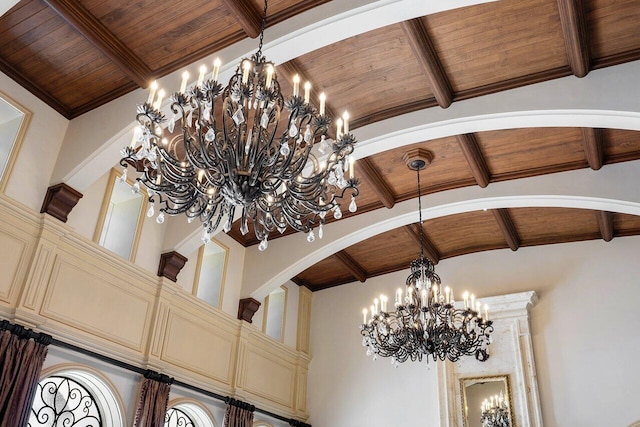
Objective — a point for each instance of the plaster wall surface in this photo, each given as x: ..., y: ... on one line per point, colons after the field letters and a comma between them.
x: 584, y: 331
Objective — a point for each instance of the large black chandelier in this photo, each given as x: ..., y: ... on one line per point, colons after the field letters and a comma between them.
x: 243, y: 147
x: 495, y: 412
x: 426, y: 322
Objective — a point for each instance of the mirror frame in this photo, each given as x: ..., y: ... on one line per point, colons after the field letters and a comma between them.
x: 114, y: 174
x: 7, y: 171
x: 463, y: 395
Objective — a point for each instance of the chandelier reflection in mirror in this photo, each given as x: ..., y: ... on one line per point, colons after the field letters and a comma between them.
x: 426, y: 322
x: 244, y: 147
x: 495, y: 412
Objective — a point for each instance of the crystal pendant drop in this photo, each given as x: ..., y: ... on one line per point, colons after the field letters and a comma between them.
x: 293, y: 130
x: 136, y: 188
x: 320, y: 231
x: 337, y: 213
x: 307, y: 134
x: 207, y: 114
x: 123, y: 177
x: 352, y: 206
x: 172, y: 123
x: 206, y: 237
x: 263, y: 245
x: 160, y: 218
x: 238, y: 116
x: 150, y: 211
x: 244, y: 228
x: 210, y: 135
x: 190, y: 219
x: 189, y: 118
x: 323, y: 145
x: 227, y: 226
x: 140, y: 131
x: 311, y: 237
x: 264, y: 120
x: 284, y: 149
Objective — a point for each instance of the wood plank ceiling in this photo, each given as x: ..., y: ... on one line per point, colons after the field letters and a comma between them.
x: 79, y: 54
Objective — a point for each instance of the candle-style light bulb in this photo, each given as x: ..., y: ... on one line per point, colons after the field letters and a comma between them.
x: 152, y: 92
x: 185, y: 79
x: 338, y: 128
x: 269, y: 78
x: 158, y: 103
x: 465, y: 296
x: 246, y: 67
x: 364, y: 316
x: 345, y: 119
x: 352, y: 162
x: 203, y: 70
x: 323, y: 99
x: 307, y: 90
x: 296, y: 85
x: 216, y: 69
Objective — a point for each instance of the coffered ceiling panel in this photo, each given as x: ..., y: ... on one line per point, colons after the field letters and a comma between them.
x: 529, y: 151
x: 327, y: 272
x: 498, y: 41
x: 368, y: 73
x: 385, y: 252
x: 161, y: 33
x: 620, y: 145
x: 612, y: 27
x: 464, y: 233
x: 449, y: 169
x: 537, y: 226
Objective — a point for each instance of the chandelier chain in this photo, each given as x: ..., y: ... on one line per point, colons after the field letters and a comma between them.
x: 420, y: 215
x: 263, y: 25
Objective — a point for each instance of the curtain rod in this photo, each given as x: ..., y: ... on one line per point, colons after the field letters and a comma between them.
x: 56, y: 342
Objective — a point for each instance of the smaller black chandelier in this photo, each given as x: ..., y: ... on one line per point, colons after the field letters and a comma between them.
x: 425, y: 322
x: 495, y: 412
x: 244, y: 147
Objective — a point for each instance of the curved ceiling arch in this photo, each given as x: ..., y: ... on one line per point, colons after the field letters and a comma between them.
x: 596, y: 101
x: 579, y: 189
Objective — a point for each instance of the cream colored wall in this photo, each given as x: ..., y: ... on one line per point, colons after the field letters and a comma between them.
x: 64, y: 284
x: 584, y: 331
x: 28, y: 183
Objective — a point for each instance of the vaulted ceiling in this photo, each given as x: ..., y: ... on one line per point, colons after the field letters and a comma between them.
x: 76, y: 55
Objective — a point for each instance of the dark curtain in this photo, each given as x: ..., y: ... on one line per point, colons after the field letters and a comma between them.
x: 154, y: 396
x: 22, y: 353
x: 238, y: 414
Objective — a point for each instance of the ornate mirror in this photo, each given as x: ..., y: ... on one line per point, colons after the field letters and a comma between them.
x: 487, y: 401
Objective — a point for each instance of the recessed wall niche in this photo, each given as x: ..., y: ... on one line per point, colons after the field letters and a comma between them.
x: 511, y: 357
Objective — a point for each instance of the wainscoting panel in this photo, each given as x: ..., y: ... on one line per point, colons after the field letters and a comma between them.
x: 97, y: 302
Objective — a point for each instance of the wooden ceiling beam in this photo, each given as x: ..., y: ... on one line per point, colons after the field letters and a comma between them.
x: 427, y: 56
x: 574, y: 30
x: 95, y: 32
x: 592, y: 140
x: 378, y: 183
x: 505, y: 223
x: 471, y: 150
x: 430, y: 251
x: 351, y: 265
x: 248, y: 17
x: 605, y: 224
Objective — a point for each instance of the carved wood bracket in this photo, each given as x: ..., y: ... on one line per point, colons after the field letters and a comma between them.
x: 60, y: 200
x: 170, y: 265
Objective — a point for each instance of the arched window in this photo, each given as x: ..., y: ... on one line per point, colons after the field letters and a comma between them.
x: 61, y: 401
x: 177, y: 418
x: 74, y: 398
x: 187, y: 414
